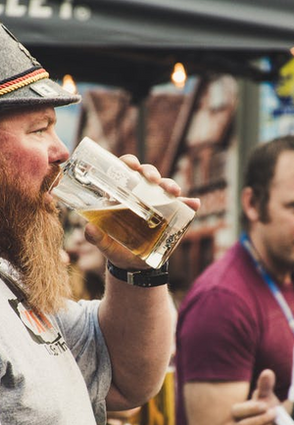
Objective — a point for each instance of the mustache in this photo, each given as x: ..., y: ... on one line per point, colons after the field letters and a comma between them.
x: 55, y: 169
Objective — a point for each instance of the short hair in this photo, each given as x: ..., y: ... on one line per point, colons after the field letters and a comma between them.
x: 260, y: 171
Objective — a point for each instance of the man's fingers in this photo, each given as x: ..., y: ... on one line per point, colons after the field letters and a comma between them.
x: 194, y: 203
x: 96, y: 237
x: 170, y: 186
x: 265, y: 384
x: 260, y: 409
x: 267, y: 418
x: 253, y: 413
x: 111, y: 249
x: 248, y: 408
x: 148, y: 170
x: 131, y: 160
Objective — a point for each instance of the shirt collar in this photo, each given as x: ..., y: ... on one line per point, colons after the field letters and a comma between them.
x: 7, y: 268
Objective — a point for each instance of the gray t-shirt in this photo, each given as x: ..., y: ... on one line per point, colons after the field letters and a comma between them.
x: 53, y: 369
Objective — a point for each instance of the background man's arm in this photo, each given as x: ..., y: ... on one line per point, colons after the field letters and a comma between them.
x: 211, y: 402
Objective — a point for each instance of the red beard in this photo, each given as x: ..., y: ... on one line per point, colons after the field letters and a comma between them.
x: 31, y: 238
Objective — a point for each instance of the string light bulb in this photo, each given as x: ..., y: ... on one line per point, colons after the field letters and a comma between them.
x: 179, y: 75
x: 69, y: 84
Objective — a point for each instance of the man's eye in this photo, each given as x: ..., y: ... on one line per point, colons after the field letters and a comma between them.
x: 40, y: 131
x: 291, y: 208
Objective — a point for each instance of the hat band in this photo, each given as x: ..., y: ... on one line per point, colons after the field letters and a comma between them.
x: 22, y: 80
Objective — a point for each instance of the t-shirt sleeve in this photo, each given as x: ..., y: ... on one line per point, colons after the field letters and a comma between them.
x: 80, y: 327
x: 217, y: 338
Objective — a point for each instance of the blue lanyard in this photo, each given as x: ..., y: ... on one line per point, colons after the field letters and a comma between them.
x: 245, y: 241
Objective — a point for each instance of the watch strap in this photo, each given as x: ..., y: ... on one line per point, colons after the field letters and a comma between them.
x: 144, y: 278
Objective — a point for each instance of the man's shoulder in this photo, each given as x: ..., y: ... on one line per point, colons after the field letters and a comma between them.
x: 230, y: 264
x: 231, y: 275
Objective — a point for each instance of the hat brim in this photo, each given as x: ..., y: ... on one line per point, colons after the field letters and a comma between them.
x: 43, y: 92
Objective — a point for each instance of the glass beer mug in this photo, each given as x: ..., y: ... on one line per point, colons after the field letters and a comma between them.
x: 136, y: 213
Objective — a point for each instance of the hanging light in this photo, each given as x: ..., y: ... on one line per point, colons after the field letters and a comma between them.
x: 179, y: 75
x: 69, y: 84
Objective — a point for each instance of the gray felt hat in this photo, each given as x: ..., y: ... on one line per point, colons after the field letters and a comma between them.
x: 23, y: 81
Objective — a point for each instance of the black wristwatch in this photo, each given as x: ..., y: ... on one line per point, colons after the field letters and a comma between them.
x: 145, y: 278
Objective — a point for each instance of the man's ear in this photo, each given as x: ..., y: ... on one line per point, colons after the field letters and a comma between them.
x: 249, y: 204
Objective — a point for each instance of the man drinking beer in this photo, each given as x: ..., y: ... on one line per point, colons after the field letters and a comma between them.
x: 63, y: 362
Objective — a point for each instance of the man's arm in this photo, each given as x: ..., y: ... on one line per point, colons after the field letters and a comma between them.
x: 211, y: 402
x: 136, y: 322
x: 139, y: 339
x: 227, y: 404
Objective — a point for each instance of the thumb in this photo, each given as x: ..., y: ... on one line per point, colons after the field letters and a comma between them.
x: 265, y: 385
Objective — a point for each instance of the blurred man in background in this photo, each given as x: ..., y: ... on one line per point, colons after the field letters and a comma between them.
x: 237, y: 318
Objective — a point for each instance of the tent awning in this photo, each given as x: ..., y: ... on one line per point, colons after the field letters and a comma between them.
x: 134, y: 43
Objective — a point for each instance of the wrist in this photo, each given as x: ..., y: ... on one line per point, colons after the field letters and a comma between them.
x: 146, y: 278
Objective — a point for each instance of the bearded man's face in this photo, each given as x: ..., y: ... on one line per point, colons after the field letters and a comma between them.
x: 30, y: 231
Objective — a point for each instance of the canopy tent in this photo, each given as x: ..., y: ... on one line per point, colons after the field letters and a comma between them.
x: 134, y: 43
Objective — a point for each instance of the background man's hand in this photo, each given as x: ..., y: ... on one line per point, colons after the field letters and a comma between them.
x: 260, y: 410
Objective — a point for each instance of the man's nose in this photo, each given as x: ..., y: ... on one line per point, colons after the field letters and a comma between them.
x: 58, y: 151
